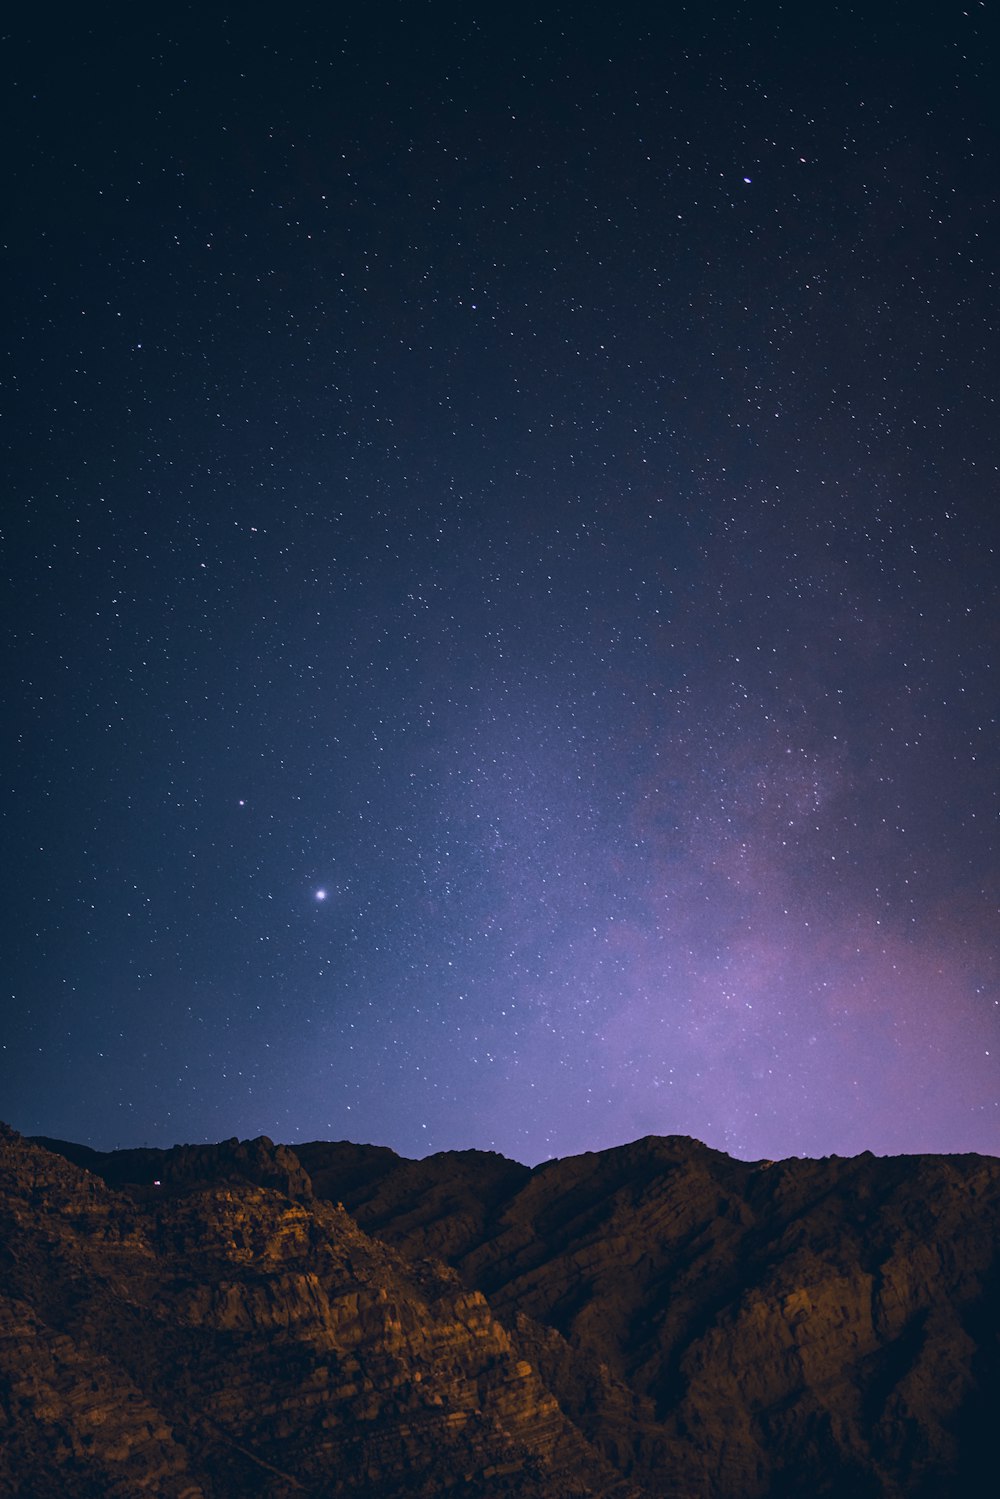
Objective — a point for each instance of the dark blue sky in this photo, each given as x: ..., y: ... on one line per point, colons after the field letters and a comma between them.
x: 501, y: 569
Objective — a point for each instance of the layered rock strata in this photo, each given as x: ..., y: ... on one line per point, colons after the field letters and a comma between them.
x: 209, y: 1339
x: 726, y: 1328
x: 657, y: 1320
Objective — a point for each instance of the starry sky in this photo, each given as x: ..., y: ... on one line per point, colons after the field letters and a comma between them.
x: 500, y: 576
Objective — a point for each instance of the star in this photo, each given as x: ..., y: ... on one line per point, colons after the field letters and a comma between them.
x: 643, y: 740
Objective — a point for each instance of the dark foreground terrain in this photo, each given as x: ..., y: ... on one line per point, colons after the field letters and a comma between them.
x: 235, y: 1320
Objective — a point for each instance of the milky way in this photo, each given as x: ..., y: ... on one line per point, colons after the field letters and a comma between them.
x: 503, y: 581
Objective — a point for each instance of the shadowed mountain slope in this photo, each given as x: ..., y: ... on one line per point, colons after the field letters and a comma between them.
x: 828, y: 1326
x: 710, y: 1327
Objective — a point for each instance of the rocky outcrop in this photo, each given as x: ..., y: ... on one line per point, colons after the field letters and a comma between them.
x: 223, y: 1338
x: 259, y: 1162
x: 728, y: 1328
x: 657, y: 1320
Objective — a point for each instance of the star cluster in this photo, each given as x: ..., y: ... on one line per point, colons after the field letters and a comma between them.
x: 502, y: 578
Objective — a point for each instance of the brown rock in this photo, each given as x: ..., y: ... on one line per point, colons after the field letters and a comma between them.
x: 657, y: 1320
x: 228, y: 1339
x: 735, y: 1329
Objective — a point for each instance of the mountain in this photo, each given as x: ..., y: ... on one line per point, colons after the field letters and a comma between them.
x: 657, y: 1321
x: 214, y: 1336
x: 729, y: 1329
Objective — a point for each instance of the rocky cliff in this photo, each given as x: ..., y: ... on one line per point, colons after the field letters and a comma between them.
x: 724, y: 1328
x: 656, y: 1320
x: 213, y: 1337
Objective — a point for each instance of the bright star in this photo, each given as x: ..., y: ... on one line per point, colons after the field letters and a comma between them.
x: 321, y: 895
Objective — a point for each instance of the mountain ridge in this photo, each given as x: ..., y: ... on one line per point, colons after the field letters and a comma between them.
x: 690, y: 1324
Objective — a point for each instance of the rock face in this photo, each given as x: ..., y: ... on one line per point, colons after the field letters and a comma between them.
x: 731, y: 1329
x: 657, y: 1321
x: 216, y: 1337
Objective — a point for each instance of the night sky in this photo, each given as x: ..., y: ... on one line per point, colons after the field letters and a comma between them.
x: 500, y: 563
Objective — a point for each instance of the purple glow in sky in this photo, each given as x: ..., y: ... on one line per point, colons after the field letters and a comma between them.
x: 586, y: 571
